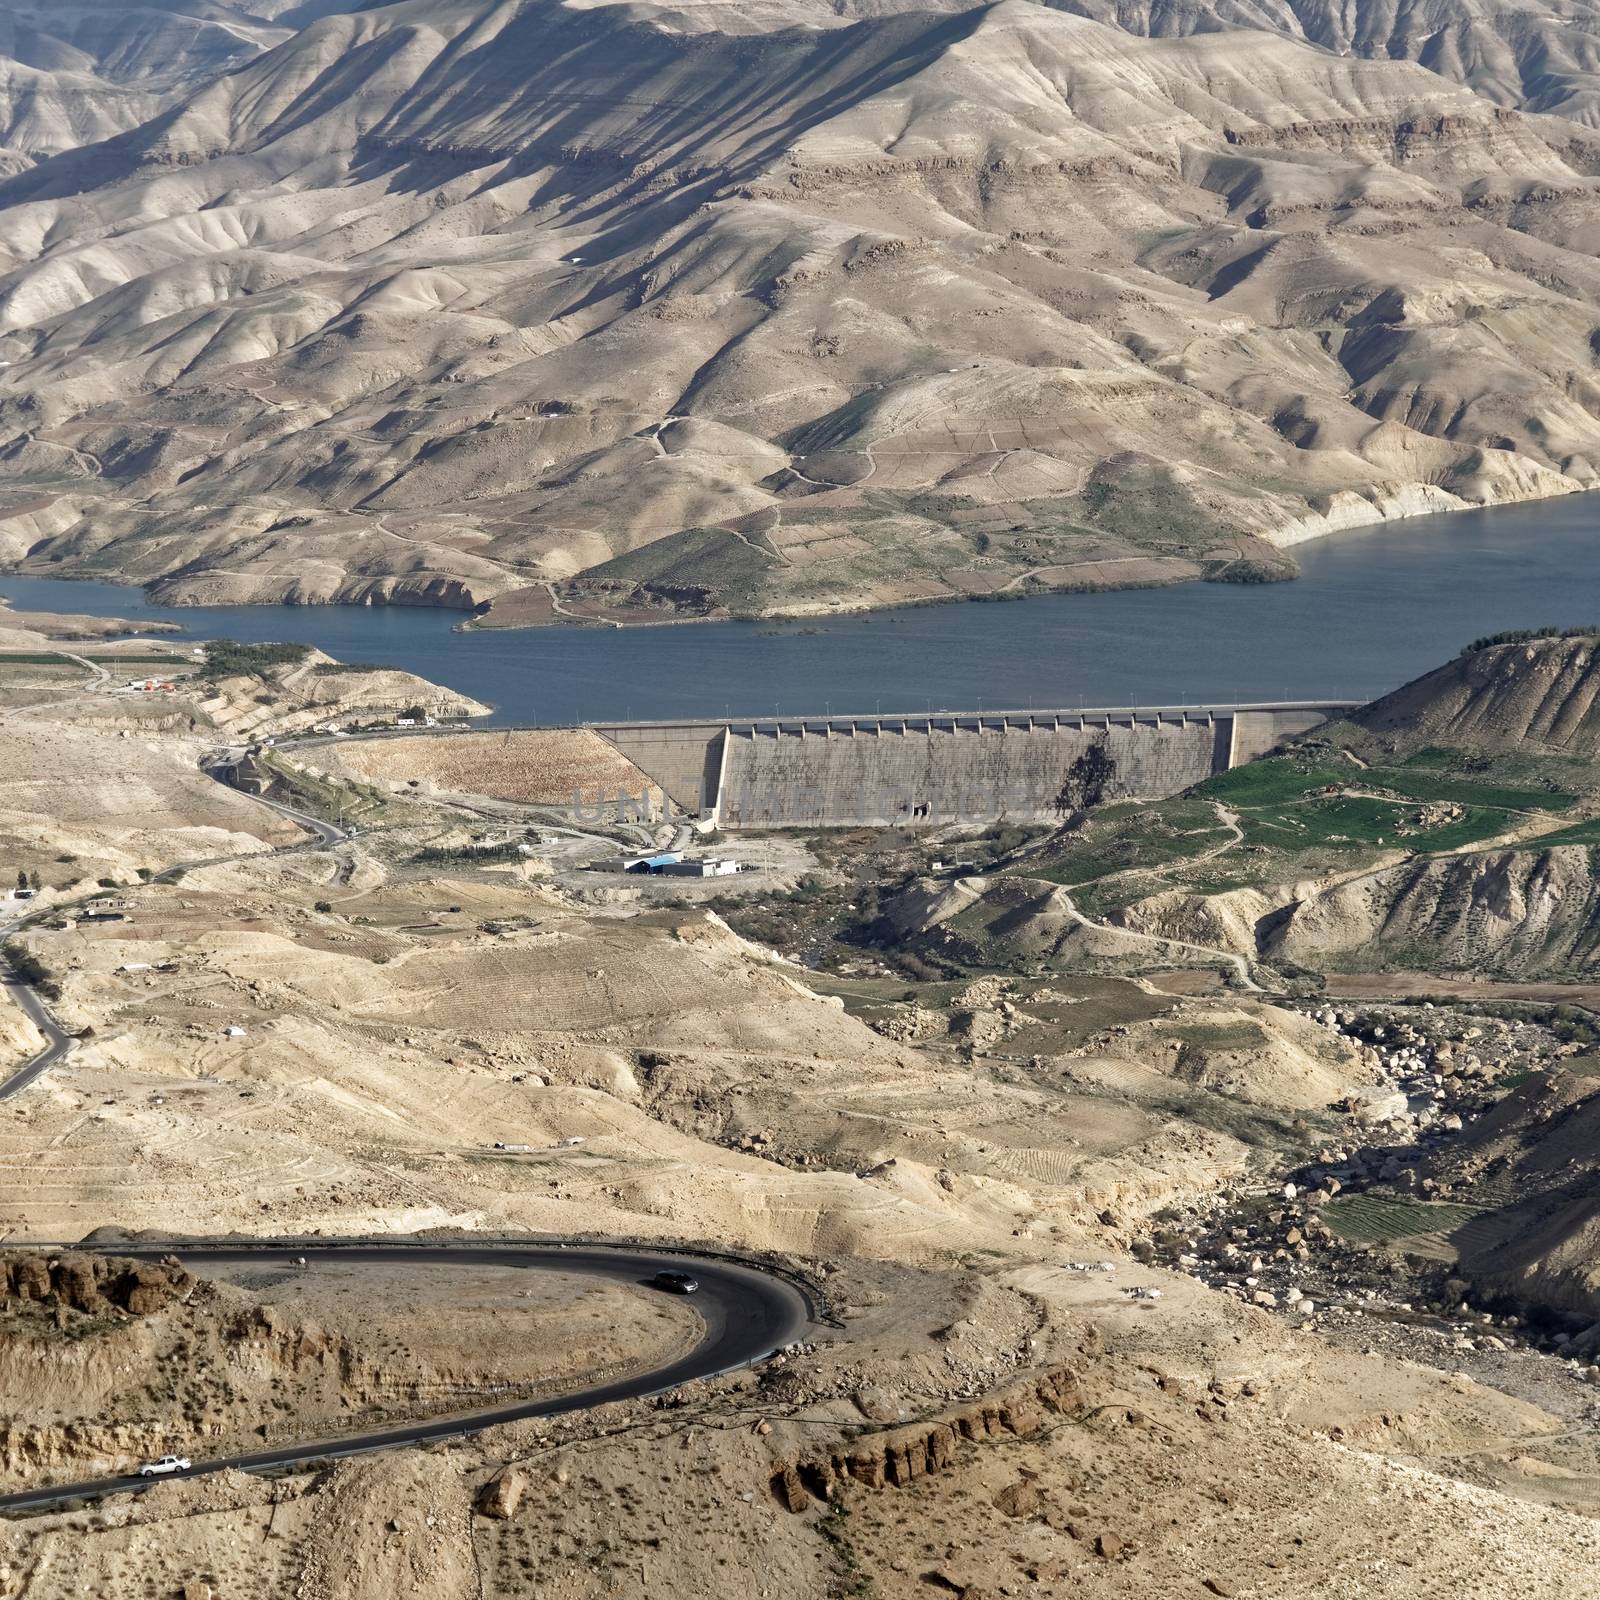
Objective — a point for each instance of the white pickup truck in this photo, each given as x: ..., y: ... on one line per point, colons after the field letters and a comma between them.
x: 159, y: 1469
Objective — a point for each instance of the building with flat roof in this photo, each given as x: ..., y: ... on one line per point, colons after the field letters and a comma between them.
x: 662, y: 861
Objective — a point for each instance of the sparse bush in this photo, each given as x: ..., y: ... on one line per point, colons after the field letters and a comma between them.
x: 467, y: 854
x: 1525, y: 635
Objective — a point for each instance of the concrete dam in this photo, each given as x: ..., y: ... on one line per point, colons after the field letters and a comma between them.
x: 922, y: 771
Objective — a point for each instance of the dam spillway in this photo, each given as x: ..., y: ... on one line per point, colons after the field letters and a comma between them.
x: 943, y: 767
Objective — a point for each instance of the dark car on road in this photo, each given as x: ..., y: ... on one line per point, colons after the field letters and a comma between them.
x: 675, y: 1282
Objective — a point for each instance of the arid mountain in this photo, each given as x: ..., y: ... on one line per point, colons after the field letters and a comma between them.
x: 1513, y: 912
x: 782, y: 307
x: 75, y: 74
x: 1539, y: 695
x: 1543, y: 56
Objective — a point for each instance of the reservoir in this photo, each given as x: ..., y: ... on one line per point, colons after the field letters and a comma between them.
x: 1374, y: 607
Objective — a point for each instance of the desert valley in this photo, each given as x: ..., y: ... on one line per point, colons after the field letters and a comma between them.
x: 1193, y: 1194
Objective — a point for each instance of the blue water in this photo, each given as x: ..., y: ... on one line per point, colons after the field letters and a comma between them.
x: 1374, y: 607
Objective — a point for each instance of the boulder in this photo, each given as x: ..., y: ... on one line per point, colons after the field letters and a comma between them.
x: 30, y: 1277
x: 502, y: 1494
x: 75, y: 1284
x: 1019, y: 1499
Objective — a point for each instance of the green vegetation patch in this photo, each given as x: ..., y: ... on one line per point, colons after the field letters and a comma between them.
x: 1274, y: 780
x: 1302, y: 812
x: 1128, y: 838
x: 1524, y: 635
x: 227, y: 658
x: 1555, y: 775
x: 1382, y: 1219
x: 1290, y: 802
x: 1143, y: 503
x: 709, y: 559
x: 1355, y: 822
x: 145, y: 659
x: 336, y: 800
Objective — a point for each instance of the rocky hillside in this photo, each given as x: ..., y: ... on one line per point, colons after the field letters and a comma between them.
x: 1533, y: 695
x: 623, y: 308
x: 314, y: 690
x: 74, y: 74
x: 1536, y: 1151
x: 1507, y: 912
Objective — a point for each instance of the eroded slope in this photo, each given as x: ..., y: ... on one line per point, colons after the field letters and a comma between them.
x: 710, y: 310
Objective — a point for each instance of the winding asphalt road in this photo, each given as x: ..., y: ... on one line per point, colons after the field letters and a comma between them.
x: 326, y: 833
x: 748, y: 1313
x: 58, y: 1041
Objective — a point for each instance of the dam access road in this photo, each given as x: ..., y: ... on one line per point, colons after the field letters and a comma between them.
x: 748, y: 1312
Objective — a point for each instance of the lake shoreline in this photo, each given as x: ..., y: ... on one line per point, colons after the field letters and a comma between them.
x: 1370, y: 610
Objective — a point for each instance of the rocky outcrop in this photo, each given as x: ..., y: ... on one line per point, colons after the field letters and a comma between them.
x: 318, y: 689
x: 93, y: 1284
x: 898, y: 1457
x: 72, y: 1450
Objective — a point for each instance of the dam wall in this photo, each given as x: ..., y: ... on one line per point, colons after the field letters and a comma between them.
x: 942, y: 768
x: 685, y: 758
x: 925, y: 776
x: 1257, y: 730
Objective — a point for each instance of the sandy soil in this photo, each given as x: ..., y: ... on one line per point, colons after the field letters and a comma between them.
x: 556, y: 766
x: 76, y: 804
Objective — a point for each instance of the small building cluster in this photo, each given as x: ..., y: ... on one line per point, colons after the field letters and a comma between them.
x: 674, y: 864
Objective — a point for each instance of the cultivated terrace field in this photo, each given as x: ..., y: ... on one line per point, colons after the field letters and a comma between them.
x: 1317, y: 809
